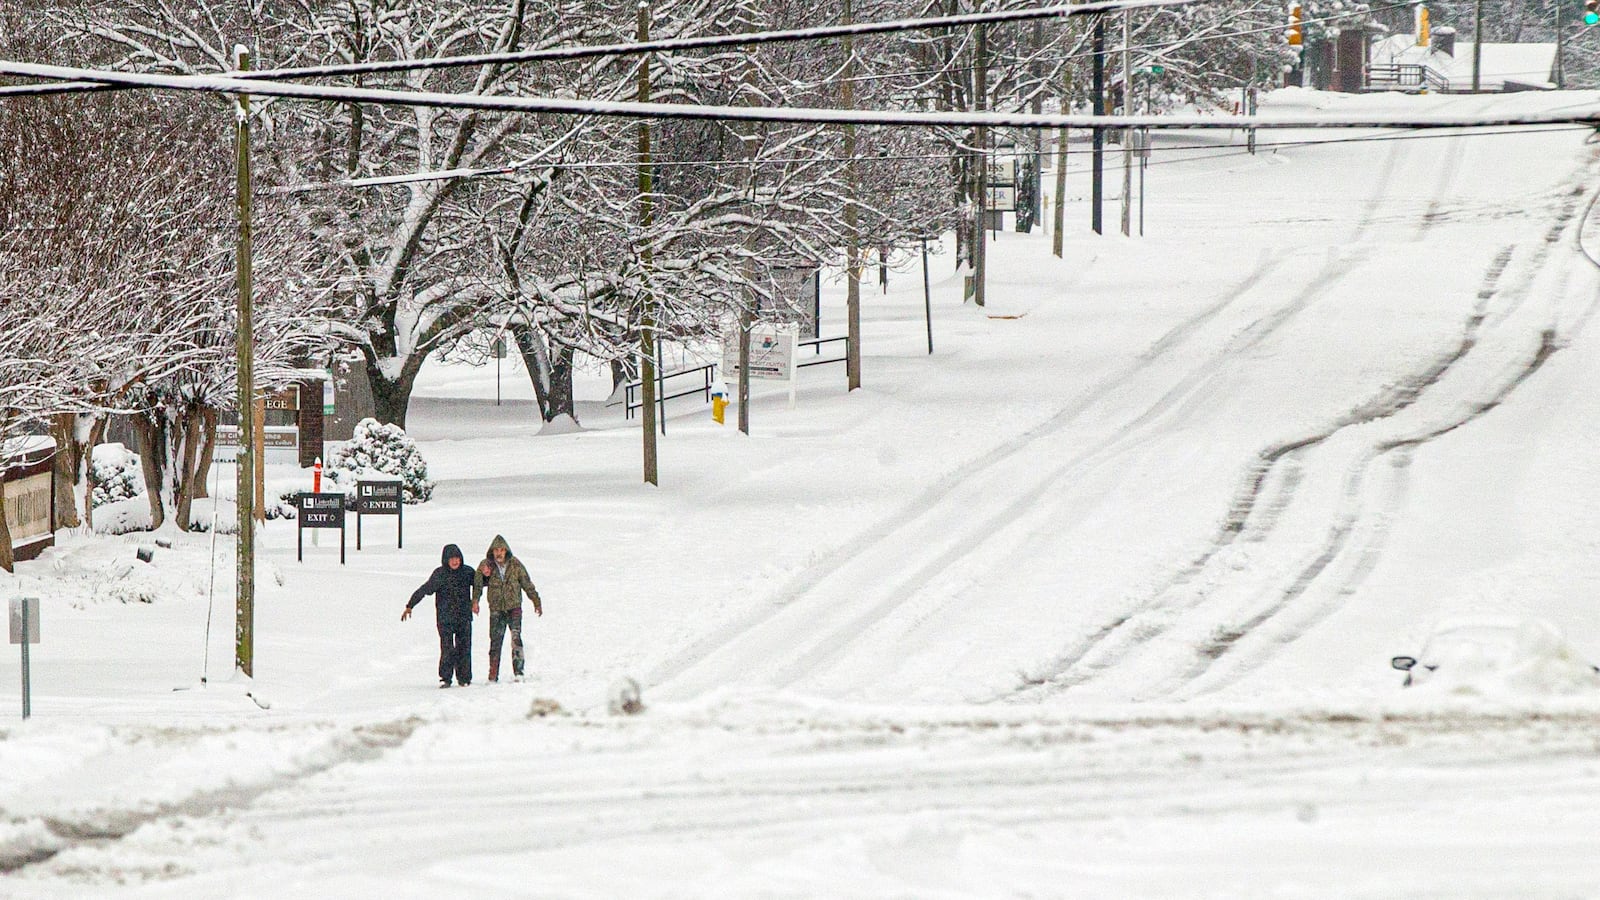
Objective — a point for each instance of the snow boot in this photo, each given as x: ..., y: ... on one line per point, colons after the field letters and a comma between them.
x: 494, y: 671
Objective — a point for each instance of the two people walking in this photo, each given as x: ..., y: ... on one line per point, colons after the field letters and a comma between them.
x: 457, y: 590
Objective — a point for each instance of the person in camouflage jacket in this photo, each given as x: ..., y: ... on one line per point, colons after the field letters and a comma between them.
x: 505, y: 579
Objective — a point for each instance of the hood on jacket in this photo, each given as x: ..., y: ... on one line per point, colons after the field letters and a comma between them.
x: 497, y: 542
x: 449, y: 551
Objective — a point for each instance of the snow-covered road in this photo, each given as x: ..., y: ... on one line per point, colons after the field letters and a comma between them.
x: 1098, y: 600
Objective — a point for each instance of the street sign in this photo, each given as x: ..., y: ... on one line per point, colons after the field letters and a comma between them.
x: 381, y: 498
x: 25, y: 631
x: 25, y: 619
x: 1141, y: 144
x: 499, y: 348
x: 1002, y: 198
x: 1002, y: 170
x: 325, y: 510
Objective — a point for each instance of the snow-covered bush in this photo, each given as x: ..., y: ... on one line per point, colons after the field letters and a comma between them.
x: 379, y: 450
x: 117, y: 474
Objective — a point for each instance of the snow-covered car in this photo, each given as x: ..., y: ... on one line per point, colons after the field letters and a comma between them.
x: 1499, y: 653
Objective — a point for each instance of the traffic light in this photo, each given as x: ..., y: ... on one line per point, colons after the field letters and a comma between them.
x: 1591, y: 12
x: 1297, y: 36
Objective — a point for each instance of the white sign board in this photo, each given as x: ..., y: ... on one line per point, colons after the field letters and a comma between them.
x: 1002, y: 170
x: 1002, y: 198
x: 33, y: 619
x: 772, y: 354
x: 28, y: 508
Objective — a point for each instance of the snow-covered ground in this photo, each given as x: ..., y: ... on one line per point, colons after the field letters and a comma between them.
x: 1096, y: 600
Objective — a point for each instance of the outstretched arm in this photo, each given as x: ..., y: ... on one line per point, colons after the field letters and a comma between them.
x: 431, y: 586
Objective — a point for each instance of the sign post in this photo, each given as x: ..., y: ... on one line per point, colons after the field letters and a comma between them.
x: 318, y: 511
x: 381, y: 498
x: 499, y: 351
x: 25, y: 631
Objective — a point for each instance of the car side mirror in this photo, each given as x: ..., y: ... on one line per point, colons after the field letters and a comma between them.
x: 1403, y: 663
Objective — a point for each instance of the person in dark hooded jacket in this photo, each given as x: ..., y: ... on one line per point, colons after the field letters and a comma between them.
x: 454, y: 604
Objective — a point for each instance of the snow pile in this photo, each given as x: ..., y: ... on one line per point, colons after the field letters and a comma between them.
x: 117, y: 474
x: 1503, y: 658
x: 119, y: 498
x: 380, y: 452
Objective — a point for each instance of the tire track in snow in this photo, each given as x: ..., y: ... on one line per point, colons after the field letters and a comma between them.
x: 1181, y: 399
x: 1396, y: 453
x: 908, y: 516
x: 38, y: 839
x: 1269, y: 490
x: 1132, y: 629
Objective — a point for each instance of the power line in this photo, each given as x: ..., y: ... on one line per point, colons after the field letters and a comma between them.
x: 1137, y: 48
x: 792, y: 115
x: 666, y: 45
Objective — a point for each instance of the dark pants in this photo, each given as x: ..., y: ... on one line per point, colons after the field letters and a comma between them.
x: 455, y: 651
x: 498, y: 623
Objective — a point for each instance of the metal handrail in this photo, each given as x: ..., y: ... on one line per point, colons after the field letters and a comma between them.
x: 1406, y: 75
x: 629, y: 404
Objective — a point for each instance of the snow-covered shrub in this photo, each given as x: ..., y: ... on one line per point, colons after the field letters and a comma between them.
x: 118, y: 474
x: 379, y: 450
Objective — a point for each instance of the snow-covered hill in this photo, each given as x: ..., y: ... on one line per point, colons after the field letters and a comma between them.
x: 1096, y: 600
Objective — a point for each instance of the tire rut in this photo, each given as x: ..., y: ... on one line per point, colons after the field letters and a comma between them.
x: 58, y: 834
x: 1253, y: 500
x: 908, y: 516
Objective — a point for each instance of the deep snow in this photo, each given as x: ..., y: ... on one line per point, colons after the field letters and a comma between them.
x: 1097, y: 600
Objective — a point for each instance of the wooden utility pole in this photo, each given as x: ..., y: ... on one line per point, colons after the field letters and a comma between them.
x: 980, y: 138
x: 1037, y: 213
x: 747, y: 150
x: 1477, y: 50
x: 1127, y: 133
x: 1097, y: 173
x: 647, y: 315
x: 245, y: 465
x: 852, y: 250
x: 258, y: 449
x: 1061, y: 161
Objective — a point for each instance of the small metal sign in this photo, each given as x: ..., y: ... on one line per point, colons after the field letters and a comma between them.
x: 1140, y: 144
x: 25, y: 631
x: 25, y: 619
x: 381, y: 498
x: 499, y: 348
x: 325, y: 510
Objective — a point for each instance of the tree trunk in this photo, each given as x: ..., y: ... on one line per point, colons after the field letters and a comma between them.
x: 96, y: 435
x: 68, y: 465
x: 208, y: 427
x: 536, y: 359
x: 152, y: 456
x: 391, y: 397
x: 551, y: 374
x: 620, y: 374
x: 8, y: 560
x: 559, y: 401
x: 187, y: 457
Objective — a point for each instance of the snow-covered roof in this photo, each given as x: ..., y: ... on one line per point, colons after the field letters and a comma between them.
x: 26, y: 445
x: 1527, y: 65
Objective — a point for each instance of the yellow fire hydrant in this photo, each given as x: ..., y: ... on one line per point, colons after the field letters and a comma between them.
x: 719, y: 405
